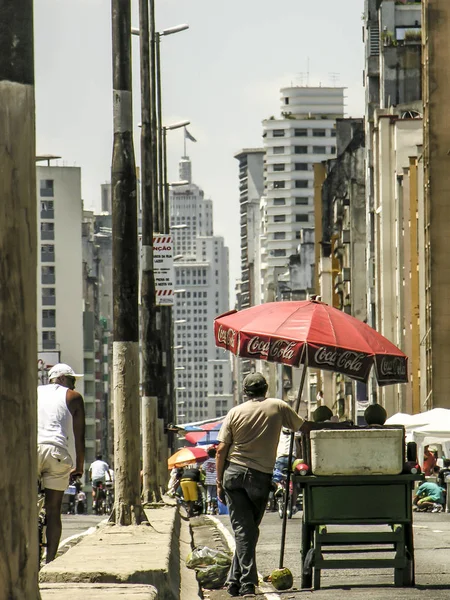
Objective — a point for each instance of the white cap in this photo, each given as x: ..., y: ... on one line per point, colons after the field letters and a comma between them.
x: 62, y: 369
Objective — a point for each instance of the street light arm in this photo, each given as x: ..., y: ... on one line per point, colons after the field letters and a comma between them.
x: 175, y: 29
x: 177, y: 125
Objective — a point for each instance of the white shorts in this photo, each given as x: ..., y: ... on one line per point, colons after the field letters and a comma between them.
x: 54, y: 466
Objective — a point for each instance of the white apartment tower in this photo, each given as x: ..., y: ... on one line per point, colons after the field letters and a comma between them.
x: 304, y: 135
x: 60, y: 283
x: 203, y: 380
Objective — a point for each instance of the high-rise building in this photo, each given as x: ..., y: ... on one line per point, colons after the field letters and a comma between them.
x: 304, y: 134
x: 434, y: 313
x: 203, y: 380
x: 251, y: 188
x: 60, y: 323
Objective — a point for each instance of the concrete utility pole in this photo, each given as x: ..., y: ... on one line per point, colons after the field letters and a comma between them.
x: 128, y: 509
x: 151, y: 340
x: 18, y: 343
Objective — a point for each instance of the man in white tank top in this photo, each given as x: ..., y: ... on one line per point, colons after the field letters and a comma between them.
x: 61, y: 427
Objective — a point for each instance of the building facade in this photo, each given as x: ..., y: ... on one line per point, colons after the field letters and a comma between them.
x: 60, y: 326
x: 304, y: 135
x: 203, y: 381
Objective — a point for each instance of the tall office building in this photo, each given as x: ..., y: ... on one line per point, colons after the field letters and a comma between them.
x: 303, y: 135
x: 60, y: 304
x: 251, y: 188
x: 203, y: 379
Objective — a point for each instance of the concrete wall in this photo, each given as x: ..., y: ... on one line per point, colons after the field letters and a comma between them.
x: 436, y: 20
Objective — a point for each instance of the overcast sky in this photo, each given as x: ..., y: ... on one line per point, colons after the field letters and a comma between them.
x: 223, y: 74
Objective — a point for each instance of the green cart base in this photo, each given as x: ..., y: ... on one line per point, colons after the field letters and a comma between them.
x: 357, y: 500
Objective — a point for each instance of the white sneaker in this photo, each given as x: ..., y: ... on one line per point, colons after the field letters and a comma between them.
x: 437, y: 508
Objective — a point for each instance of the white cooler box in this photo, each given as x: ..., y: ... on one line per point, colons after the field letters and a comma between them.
x: 357, y: 452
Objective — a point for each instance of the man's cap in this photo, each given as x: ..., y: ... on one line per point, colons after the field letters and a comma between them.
x: 62, y: 369
x: 255, y: 382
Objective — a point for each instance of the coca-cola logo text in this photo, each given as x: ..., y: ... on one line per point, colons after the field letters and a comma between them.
x: 258, y: 346
x: 226, y: 336
x: 347, y: 360
x: 277, y: 350
x: 392, y: 365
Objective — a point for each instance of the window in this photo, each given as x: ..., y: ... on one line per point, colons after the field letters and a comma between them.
x: 46, y: 188
x: 279, y: 201
x: 300, y: 132
x: 301, y: 149
x: 300, y: 167
x: 279, y: 218
x: 279, y: 185
x: 301, y: 183
x: 279, y: 167
x: 279, y: 235
x: 301, y: 218
x: 319, y: 150
x: 47, y: 275
x: 333, y: 133
x: 49, y: 318
x: 333, y: 150
x: 279, y: 253
x: 278, y: 150
x: 301, y: 201
x: 319, y: 132
x: 278, y: 133
x: 47, y: 292
x: 298, y: 235
x: 47, y: 209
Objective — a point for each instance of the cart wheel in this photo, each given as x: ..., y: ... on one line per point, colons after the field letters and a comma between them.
x: 307, y: 569
x: 408, y: 571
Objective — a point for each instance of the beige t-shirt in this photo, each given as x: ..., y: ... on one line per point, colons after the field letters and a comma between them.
x: 253, y: 430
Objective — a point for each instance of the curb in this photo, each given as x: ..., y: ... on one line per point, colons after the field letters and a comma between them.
x: 102, y: 560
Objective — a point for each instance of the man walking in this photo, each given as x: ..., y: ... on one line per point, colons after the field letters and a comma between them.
x: 61, y: 427
x: 245, y: 459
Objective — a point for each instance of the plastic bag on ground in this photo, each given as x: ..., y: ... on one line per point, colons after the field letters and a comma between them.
x: 202, y: 556
x: 213, y: 576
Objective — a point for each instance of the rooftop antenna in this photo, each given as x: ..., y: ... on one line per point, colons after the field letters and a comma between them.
x: 334, y: 78
x: 301, y: 77
x: 307, y: 71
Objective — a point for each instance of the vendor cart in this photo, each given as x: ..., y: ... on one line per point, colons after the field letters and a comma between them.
x: 353, y: 501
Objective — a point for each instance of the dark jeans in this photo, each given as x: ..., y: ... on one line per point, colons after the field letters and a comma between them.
x: 247, y: 492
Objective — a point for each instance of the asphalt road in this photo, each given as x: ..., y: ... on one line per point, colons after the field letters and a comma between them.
x: 432, y: 544
x: 76, y: 524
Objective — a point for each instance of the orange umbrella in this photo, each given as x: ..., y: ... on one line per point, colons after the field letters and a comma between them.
x: 186, y: 456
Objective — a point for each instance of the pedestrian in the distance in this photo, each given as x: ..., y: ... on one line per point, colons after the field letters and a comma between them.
x: 245, y: 459
x: 210, y: 472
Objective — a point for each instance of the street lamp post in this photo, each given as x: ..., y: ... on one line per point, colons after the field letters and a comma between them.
x: 162, y: 177
x: 156, y: 321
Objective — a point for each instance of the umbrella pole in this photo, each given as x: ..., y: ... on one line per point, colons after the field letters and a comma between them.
x: 291, y: 448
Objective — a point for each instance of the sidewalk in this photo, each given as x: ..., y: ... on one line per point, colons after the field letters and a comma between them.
x: 144, y: 562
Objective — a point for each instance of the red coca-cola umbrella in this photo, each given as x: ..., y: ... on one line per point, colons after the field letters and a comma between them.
x: 310, y: 333
x: 314, y: 334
